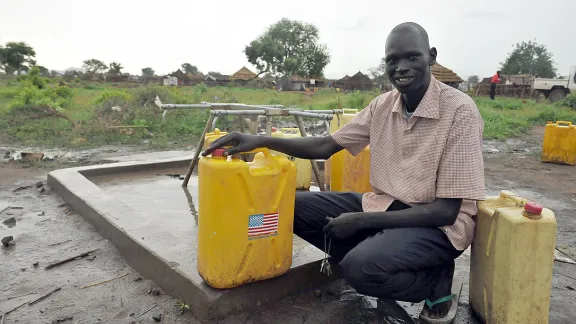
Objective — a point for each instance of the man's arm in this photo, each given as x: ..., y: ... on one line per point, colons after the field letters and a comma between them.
x: 312, y: 147
x: 440, y: 212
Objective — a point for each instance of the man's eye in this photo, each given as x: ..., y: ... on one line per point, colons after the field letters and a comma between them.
x: 413, y: 58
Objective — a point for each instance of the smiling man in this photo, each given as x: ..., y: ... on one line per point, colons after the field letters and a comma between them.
x: 400, y: 241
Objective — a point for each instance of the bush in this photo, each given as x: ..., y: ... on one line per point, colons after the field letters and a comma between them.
x: 568, y: 101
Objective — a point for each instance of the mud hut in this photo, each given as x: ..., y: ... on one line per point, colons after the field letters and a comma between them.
x: 243, y: 76
x: 446, y: 75
x: 361, y: 81
x: 343, y: 83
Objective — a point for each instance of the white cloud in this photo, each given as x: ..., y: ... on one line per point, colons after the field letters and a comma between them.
x: 471, y: 37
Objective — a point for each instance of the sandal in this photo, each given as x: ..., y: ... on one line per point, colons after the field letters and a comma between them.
x: 451, y: 315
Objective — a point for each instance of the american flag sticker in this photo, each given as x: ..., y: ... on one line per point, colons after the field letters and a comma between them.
x: 262, y: 225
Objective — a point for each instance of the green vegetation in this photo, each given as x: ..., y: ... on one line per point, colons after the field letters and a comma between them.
x: 509, y: 117
x: 43, y: 111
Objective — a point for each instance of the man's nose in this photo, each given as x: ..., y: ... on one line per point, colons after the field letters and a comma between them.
x: 402, y: 67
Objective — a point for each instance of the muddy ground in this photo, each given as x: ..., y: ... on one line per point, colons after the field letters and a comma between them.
x: 46, y: 230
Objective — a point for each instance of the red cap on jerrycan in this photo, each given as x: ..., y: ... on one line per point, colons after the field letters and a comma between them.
x: 218, y: 152
x: 532, y: 210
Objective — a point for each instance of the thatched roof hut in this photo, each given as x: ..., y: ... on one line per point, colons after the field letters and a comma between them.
x: 358, y: 81
x: 244, y: 74
x: 445, y: 75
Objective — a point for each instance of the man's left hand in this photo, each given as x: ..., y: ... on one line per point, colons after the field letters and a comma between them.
x: 344, y: 226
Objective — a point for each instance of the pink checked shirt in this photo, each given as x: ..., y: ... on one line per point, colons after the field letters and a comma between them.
x: 437, y: 153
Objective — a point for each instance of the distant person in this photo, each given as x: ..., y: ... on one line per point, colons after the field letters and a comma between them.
x: 495, y: 80
x: 398, y: 242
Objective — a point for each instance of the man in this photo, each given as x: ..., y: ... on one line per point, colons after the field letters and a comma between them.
x: 493, y: 82
x: 400, y: 241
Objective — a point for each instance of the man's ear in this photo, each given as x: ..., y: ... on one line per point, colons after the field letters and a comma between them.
x: 433, y: 54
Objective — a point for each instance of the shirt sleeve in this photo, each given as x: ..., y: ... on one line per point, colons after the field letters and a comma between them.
x: 355, y: 135
x: 461, y: 169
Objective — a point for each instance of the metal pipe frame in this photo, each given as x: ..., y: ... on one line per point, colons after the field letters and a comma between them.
x: 198, y: 150
x: 269, y: 113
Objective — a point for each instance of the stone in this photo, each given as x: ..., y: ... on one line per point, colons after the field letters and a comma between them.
x: 7, y: 241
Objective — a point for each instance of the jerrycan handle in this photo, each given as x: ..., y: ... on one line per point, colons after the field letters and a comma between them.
x: 220, y: 151
x: 505, y: 194
x: 262, y: 150
x: 566, y: 123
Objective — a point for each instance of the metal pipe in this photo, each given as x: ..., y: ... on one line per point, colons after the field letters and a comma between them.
x: 328, y: 111
x: 237, y: 112
x: 315, y: 168
x: 309, y: 114
x: 268, y: 126
x: 214, y: 122
x: 234, y: 104
x: 197, y: 152
x: 242, y: 124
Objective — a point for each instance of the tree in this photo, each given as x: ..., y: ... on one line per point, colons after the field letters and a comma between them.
x: 43, y: 71
x: 115, y: 68
x: 16, y: 57
x: 473, y: 79
x: 289, y: 47
x: 379, y: 73
x: 147, y: 71
x: 529, y: 58
x: 94, y: 66
x: 190, y: 69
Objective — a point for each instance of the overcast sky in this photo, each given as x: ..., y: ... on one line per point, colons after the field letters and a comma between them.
x: 472, y: 37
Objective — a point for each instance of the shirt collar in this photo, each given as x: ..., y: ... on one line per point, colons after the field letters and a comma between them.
x: 429, y: 106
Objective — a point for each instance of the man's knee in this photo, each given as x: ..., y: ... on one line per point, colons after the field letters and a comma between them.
x: 361, y: 272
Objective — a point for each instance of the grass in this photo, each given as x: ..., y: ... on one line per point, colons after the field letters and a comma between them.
x: 510, y: 117
x: 92, y: 110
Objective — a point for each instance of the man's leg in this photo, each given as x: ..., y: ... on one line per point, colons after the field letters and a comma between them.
x: 310, y: 212
x: 404, y: 264
x: 492, y: 90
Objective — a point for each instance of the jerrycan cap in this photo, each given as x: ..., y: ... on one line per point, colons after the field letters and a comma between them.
x: 533, y: 208
x: 274, y: 129
x: 218, y: 152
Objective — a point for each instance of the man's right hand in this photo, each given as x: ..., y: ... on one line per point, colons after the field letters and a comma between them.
x: 240, y: 142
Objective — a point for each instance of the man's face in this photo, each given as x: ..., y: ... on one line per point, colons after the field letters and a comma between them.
x: 408, y: 61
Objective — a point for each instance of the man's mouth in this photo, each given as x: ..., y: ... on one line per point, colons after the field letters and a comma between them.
x: 404, y: 80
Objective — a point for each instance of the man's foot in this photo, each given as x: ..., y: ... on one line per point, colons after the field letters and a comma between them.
x: 439, y: 310
x: 439, y: 303
x: 442, y: 305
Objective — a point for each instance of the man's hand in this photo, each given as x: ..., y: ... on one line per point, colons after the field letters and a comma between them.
x: 240, y: 142
x: 345, y: 225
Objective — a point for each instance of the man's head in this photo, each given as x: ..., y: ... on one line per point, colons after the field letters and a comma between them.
x: 409, y: 58
x: 498, y: 72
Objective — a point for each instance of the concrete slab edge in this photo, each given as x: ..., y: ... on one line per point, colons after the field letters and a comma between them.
x: 143, y: 260
x: 85, y: 198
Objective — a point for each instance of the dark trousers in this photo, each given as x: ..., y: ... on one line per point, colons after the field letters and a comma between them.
x: 492, y: 90
x: 403, y: 264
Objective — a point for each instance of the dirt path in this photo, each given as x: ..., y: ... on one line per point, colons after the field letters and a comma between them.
x: 46, y: 231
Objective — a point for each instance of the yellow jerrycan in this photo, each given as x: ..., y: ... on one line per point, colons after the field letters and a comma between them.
x: 357, y: 172
x: 210, y: 137
x: 511, y: 261
x: 303, y: 167
x: 245, y: 218
x: 334, y: 166
x: 559, y: 145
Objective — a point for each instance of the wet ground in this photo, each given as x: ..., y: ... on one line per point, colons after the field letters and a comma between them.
x: 45, y: 231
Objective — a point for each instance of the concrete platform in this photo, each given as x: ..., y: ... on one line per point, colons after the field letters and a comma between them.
x: 152, y: 219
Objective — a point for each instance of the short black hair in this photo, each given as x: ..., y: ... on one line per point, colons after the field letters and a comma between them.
x: 413, y: 27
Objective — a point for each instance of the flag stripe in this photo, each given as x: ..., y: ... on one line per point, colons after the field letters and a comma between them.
x: 262, y: 224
